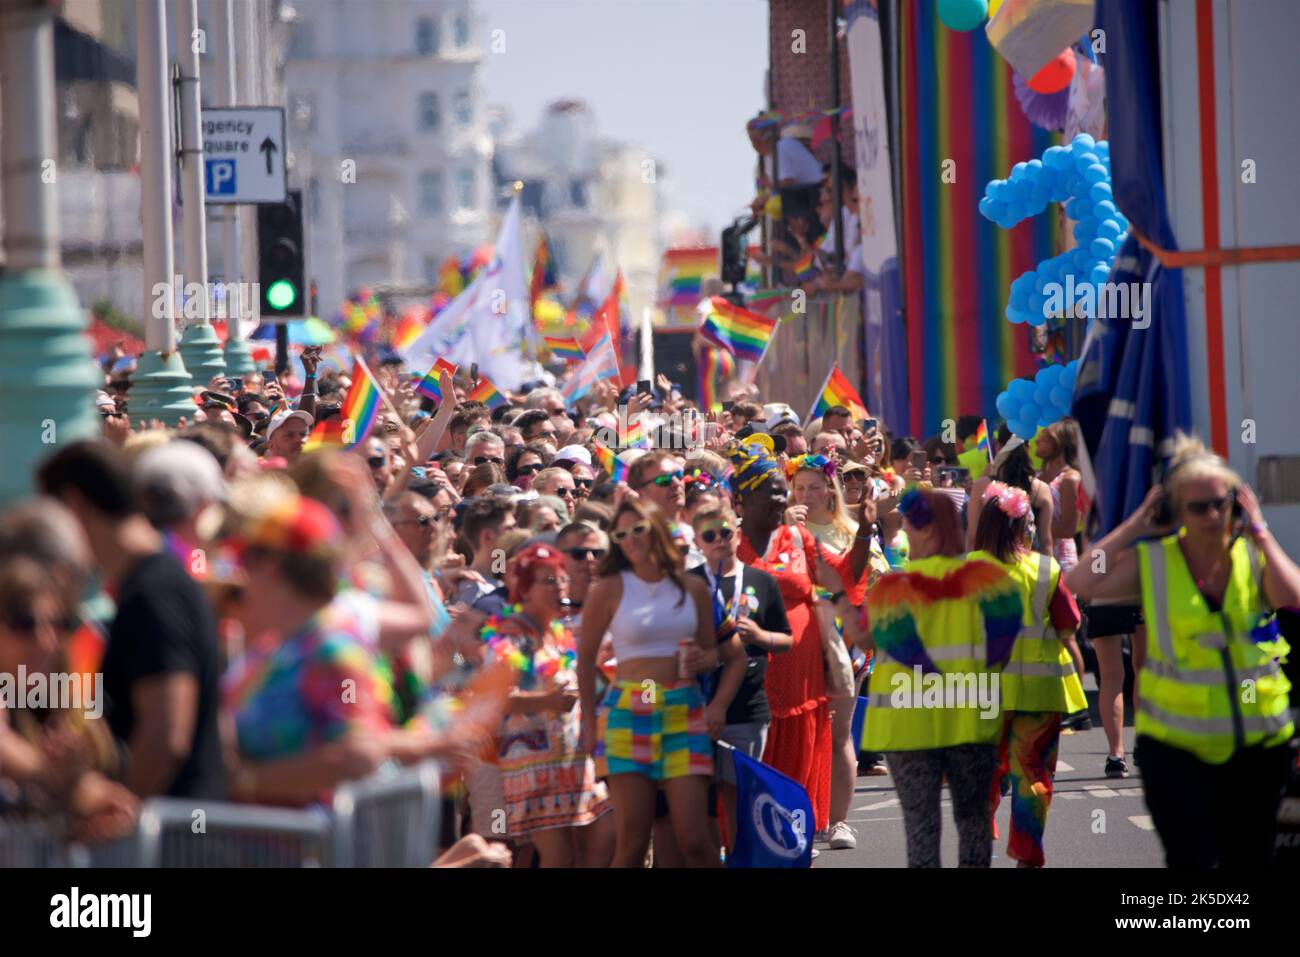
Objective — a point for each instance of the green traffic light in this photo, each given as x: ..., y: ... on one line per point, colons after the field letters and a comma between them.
x: 282, y: 294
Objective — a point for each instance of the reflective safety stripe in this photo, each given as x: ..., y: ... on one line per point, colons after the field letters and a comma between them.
x: 1213, y: 677
x: 1165, y: 639
x: 1044, y: 669
x: 1266, y: 724
x: 1213, y: 640
x: 880, y: 701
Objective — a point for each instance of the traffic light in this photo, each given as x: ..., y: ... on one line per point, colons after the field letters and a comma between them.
x: 280, y: 257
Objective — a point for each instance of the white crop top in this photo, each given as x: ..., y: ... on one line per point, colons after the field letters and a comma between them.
x: 649, y: 621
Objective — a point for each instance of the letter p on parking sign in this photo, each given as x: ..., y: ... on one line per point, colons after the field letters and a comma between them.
x: 221, y: 177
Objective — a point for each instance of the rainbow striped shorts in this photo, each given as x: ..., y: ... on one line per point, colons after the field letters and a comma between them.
x: 655, y: 730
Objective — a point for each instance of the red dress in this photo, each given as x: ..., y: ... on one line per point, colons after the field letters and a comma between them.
x: 799, y: 740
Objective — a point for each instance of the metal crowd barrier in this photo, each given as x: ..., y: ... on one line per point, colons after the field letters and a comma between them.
x: 389, y: 820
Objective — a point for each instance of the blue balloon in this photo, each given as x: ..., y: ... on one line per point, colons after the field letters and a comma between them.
x: 1072, y: 366
x: 962, y: 15
x: 1048, y: 416
x: 1004, y: 404
x: 1102, y: 248
x: 1099, y: 192
x: 1051, y: 373
x: 1019, y: 428
x: 1104, y: 209
x: 1083, y: 143
x: 1042, y: 394
x: 1021, y: 390
x: 1109, y: 229
x: 1100, y: 273
x: 1096, y: 173
x: 1061, y: 398
x: 1083, y: 160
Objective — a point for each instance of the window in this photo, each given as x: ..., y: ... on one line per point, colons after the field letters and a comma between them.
x: 302, y: 110
x: 431, y: 192
x: 431, y: 264
x: 464, y: 112
x: 466, y: 183
x: 430, y: 114
x: 462, y: 30
x: 302, y: 42
x: 426, y: 36
x: 578, y: 194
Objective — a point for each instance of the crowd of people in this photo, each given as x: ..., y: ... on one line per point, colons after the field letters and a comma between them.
x: 576, y: 640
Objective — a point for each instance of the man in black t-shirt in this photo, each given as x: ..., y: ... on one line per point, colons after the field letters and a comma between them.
x: 160, y: 666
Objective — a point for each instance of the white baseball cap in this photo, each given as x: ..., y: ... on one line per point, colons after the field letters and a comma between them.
x: 774, y: 413
x: 573, y: 453
x: 284, y: 417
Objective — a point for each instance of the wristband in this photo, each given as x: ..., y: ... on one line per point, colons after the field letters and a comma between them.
x: 835, y: 598
x: 1257, y: 529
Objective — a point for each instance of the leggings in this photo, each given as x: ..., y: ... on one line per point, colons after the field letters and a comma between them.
x: 1028, y: 756
x: 918, y: 775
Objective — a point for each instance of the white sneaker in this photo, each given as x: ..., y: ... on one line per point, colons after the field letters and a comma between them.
x: 842, y: 837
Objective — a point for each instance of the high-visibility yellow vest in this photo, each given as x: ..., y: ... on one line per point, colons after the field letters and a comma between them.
x: 976, y: 460
x: 908, y: 710
x: 1040, y: 675
x: 1207, y: 687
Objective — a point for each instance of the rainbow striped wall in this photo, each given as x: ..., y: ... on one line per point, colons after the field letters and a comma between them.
x: 957, y: 102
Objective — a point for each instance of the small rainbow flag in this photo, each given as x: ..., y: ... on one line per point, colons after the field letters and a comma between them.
x: 352, y: 425
x: 683, y: 272
x: 805, y: 267
x: 714, y: 369
x: 743, y: 333
x: 567, y: 349
x: 838, y: 391
x: 982, y: 439
x: 430, y: 385
x: 484, y: 391
x: 407, y: 330
x: 611, y: 463
x: 636, y: 437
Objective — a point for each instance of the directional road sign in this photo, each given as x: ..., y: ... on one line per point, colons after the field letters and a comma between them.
x: 243, y: 152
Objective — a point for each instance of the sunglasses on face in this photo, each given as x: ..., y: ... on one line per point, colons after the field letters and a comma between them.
x: 484, y: 459
x: 663, y: 481
x: 585, y: 484
x: 376, y: 461
x: 582, y: 554
x: 711, y: 535
x: 424, y: 521
x: 1204, y: 506
x: 565, y: 492
x: 639, y: 529
x: 530, y: 469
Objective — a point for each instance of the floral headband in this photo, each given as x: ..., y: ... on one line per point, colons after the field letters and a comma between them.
x: 916, y: 508
x: 1012, y: 502
x: 700, y: 479
x: 810, y: 463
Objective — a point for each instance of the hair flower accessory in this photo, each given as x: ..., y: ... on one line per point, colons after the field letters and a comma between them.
x: 915, y: 507
x: 810, y: 463
x: 1012, y: 502
x: 701, y: 478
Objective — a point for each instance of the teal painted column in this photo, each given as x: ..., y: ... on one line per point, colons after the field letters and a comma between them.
x: 239, y: 360
x: 47, y: 375
x: 201, y: 352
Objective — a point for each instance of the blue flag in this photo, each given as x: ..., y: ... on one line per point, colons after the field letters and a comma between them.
x: 859, y: 724
x: 775, y: 818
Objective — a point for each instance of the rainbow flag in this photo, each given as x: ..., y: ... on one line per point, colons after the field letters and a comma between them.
x: 450, y: 279
x: 715, y: 366
x: 431, y: 384
x: 682, y: 274
x: 982, y: 439
x: 743, y: 333
x: 838, y: 391
x: 567, y: 349
x: 543, y: 271
x: 407, y: 330
x: 957, y: 103
x: 611, y: 463
x: 484, y: 391
x: 805, y: 267
x: 636, y: 437
x: 352, y: 425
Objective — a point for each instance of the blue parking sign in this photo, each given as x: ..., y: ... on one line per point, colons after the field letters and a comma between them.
x: 221, y: 177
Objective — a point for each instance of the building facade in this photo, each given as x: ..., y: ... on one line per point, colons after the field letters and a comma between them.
x: 387, y: 139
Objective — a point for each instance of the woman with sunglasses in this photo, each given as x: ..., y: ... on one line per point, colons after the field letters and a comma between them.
x: 552, y: 797
x: 523, y: 464
x: 1040, y: 684
x: 1214, y: 758
x: 584, y: 480
x: 661, y: 623
x: 57, y: 759
x: 799, y: 741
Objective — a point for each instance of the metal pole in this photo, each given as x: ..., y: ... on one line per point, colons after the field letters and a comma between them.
x: 225, y: 93
x: 155, y: 174
x: 199, y: 344
x: 837, y: 185
x: 46, y: 376
x: 161, y: 385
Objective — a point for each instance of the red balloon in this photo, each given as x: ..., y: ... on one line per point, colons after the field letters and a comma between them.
x: 1056, y: 76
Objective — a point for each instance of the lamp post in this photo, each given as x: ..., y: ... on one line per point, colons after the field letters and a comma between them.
x: 199, y: 345
x: 46, y: 373
x: 160, y: 388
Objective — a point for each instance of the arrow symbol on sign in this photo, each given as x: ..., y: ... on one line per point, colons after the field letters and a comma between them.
x: 268, y: 148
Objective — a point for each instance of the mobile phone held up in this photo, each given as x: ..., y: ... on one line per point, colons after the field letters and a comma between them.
x: 643, y: 387
x: 917, y: 459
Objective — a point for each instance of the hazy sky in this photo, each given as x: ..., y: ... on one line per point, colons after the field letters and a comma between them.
x: 676, y: 77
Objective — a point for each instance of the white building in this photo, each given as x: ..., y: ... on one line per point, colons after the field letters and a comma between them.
x: 387, y: 138
x: 591, y: 194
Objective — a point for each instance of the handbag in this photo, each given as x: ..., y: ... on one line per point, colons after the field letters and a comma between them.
x: 839, y: 667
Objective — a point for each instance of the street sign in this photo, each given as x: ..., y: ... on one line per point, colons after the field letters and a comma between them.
x: 243, y: 153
